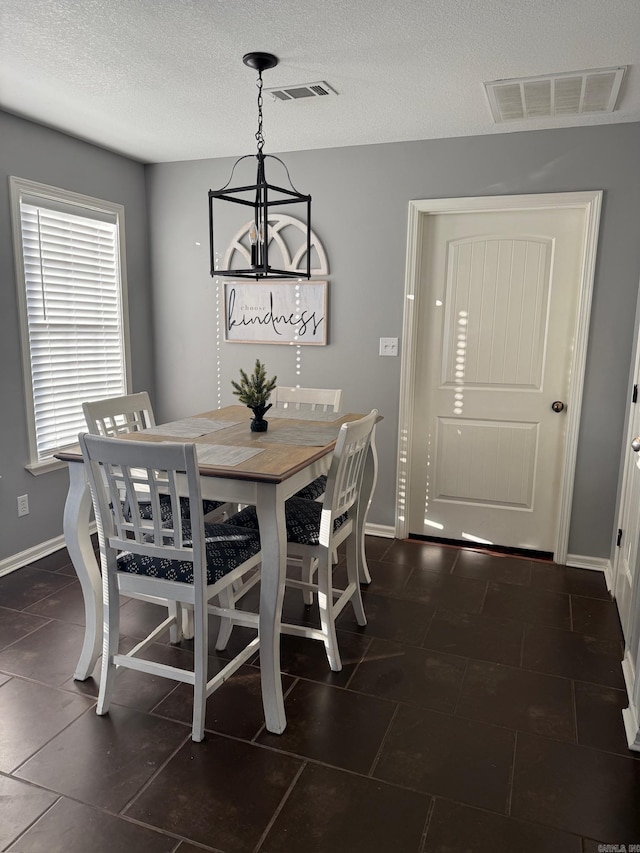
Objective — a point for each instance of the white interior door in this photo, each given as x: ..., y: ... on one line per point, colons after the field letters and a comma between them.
x: 627, y: 554
x: 496, y: 322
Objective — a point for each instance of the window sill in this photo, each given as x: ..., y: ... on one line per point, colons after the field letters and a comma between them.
x: 37, y: 468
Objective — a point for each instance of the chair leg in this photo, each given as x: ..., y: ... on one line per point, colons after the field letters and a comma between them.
x: 352, y: 578
x: 187, y: 622
x: 110, y: 643
x: 200, y: 647
x: 327, y: 616
x: 226, y: 598
x: 175, y: 631
x: 307, y: 571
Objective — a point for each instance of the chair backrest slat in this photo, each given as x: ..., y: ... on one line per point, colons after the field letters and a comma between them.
x: 311, y: 399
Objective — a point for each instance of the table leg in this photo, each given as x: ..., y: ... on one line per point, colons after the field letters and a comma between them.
x: 270, y: 509
x: 77, y: 511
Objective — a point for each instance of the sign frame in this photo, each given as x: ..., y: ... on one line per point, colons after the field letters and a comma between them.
x: 293, y: 313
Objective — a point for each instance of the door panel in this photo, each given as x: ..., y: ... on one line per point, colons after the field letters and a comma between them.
x: 626, y: 564
x: 497, y: 322
x: 497, y: 303
x: 485, y: 462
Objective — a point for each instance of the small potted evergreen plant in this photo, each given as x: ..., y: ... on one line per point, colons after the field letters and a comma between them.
x: 254, y: 391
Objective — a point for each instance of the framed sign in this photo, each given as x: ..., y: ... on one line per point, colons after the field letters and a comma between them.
x: 281, y: 312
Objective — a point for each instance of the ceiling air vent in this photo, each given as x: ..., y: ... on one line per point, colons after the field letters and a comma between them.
x: 572, y: 93
x: 301, y: 90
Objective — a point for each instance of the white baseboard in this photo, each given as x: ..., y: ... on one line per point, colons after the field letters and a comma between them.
x: 608, y: 576
x: 628, y: 671
x: 17, y: 561
x: 595, y: 564
x: 384, y: 530
x: 631, y: 727
x: 37, y: 552
x: 630, y: 714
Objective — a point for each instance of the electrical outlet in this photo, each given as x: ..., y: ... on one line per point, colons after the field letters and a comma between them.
x: 388, y: 346
x: 23, y: 504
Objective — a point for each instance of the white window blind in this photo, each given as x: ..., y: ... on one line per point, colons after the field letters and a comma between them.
x: 74, y: 315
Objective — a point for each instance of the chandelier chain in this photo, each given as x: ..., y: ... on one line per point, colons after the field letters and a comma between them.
x: 259, y: 134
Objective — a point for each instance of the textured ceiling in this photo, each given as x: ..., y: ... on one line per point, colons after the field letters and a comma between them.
x: 163, y: 80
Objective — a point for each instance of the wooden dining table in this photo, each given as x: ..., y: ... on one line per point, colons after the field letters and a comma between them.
x: 240, y: 467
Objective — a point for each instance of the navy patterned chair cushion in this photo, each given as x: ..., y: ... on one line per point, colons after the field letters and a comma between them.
x: 144, y: 508
x: 313, y: 491
x: 165, y: 508
x: 207, y: 506
x: 302, y: 516
x: 227, y: 548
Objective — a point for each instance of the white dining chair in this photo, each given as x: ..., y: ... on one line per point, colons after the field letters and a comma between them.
x: 118, y: 416
x: 311, y: 400
x: 314, y: 400
x: 187, y: 560
x: 315, y: 529
x: 294, y: 400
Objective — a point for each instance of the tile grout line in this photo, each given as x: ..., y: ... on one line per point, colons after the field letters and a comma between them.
x: 509, y: 802
x: 455, y: 562
x: 19, y: 766
x: 71, y: 580
x: 385, y: 737
x: 484, y: 598
x: 357, y: 666
x: 163, y: 833
x: 426, y: 634
x: 154, y: 776
x: 571, y: 628
x: 102, y: 810
x: 574, y: 708
x: 24, y: 831
x: 30, y: 633
x: 279, y: 807
x: 462, y: 680
x: 523, y: 639
x: 427, y: 824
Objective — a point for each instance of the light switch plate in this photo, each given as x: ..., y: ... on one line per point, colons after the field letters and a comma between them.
x: 388, y: 346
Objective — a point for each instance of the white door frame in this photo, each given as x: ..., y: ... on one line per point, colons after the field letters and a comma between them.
x: 630, y: 668
x: 590, y: 202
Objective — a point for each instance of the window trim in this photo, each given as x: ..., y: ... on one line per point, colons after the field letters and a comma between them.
x: 19, y: 188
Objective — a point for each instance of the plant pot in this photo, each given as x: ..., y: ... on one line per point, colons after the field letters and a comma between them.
x: 258, y: 423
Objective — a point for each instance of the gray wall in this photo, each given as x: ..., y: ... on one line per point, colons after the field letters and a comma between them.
x: 360, y: 198
x: 30, y: 151
x: 360, y: 203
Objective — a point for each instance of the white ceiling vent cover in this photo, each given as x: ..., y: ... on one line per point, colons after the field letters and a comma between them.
x: 300, y: 90
x: 572, y: 93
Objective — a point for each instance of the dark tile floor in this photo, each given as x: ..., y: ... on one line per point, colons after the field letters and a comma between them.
x: 479, y: 710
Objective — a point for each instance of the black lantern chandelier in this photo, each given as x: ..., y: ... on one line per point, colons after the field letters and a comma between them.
x: 261, y: 197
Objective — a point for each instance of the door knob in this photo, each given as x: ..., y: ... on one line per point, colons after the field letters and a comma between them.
x: 558, y: 406
x: 635, y: 444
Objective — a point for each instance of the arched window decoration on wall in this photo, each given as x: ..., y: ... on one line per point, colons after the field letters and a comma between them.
x: 287, y: 247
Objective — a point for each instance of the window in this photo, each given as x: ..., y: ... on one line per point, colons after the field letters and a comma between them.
x: 72, y: 299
